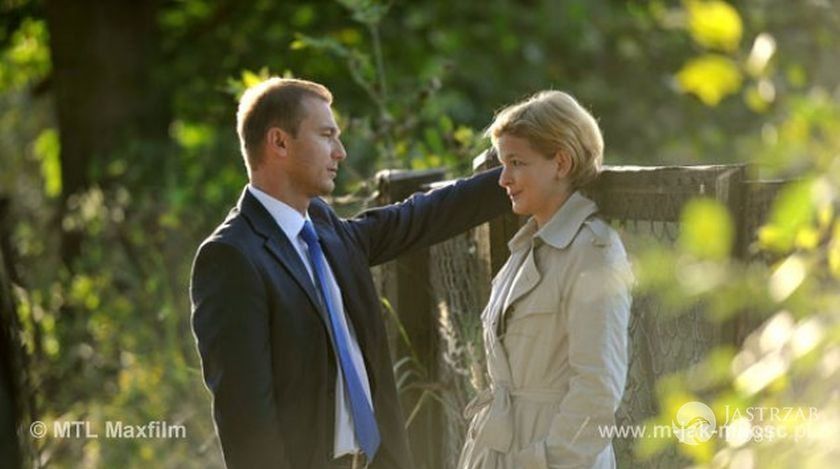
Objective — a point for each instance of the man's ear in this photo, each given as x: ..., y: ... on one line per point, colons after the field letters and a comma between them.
x: 277, y: 140
x: 564, y: 164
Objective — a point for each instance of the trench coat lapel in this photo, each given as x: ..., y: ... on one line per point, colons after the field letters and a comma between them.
x: 558, y: 233
x: 525, y: 281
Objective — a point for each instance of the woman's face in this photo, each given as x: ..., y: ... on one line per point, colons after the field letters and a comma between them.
x: 535, y: 184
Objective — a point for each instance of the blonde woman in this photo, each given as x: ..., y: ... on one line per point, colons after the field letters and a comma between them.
x: 555, y: 327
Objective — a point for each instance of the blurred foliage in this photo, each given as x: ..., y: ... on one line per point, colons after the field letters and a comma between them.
x: 714, y: 24
x: 788, y: 280
x: 711, y: 77
x: 109, y: 336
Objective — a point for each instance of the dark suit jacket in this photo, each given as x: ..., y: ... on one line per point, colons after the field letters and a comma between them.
x: 262, y: 331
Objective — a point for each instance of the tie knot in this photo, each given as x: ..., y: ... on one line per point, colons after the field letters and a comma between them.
x: 308, y: 233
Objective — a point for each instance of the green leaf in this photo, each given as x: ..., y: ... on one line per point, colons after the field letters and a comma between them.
x: 26, y: 58
x: 192, y: 135
x: 464, y: 135
x: 796, y: 75
x: 756, y: 100
x: 246, y: 80
x: 433, y: 140
x: 47, y: 151
x: 710, y: 77
x: 834, y: 252
x: 706, y: 229
x: 303, y: 16
x: 792, y: 211
x: 714, y: 24
x: 250, y: 78
x: 446, y: 125
x: 349, y: 37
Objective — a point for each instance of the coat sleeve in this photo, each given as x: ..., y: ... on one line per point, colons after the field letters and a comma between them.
x: 598, y: 315
x: 230, y: 323
x: 425, y: 219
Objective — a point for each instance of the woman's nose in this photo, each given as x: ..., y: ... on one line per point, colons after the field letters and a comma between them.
x: 504, y: 177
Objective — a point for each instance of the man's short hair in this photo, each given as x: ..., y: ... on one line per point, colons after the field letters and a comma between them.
x: 275, y: 102
x: 552, y: 121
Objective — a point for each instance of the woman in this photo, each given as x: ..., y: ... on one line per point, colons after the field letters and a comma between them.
x: 555, y: 328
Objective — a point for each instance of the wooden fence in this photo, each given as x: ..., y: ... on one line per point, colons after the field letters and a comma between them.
x: 438, y: 294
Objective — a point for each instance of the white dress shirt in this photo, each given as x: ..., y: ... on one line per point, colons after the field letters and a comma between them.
x: 291, y: 222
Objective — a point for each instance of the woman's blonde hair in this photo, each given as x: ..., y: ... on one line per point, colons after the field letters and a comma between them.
x: 552, y: 121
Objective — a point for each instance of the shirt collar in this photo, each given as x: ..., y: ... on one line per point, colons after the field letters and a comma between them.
x: 561, y: 228
x: 289, y: 219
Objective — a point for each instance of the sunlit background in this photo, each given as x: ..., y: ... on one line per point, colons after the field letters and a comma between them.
x: 119, y: 155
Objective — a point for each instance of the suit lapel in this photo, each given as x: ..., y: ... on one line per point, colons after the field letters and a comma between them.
x: 340, y: 264
x: 281, y: 249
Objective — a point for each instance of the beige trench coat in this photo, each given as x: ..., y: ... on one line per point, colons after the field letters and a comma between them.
x: 555, y: 335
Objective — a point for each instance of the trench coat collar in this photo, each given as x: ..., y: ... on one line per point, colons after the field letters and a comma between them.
x: 561, y: 229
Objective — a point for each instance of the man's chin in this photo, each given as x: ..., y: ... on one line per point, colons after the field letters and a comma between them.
x: 327, y: 189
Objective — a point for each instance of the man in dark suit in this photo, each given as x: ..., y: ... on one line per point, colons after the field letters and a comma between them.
x: 285, y: 313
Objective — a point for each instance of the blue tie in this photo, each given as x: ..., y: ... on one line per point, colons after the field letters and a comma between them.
x: 364, y: 421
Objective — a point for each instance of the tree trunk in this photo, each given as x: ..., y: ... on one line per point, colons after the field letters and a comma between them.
x: 12, y: 372
x: 104, y: 56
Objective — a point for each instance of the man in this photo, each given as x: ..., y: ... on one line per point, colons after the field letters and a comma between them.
x: 285, y: 312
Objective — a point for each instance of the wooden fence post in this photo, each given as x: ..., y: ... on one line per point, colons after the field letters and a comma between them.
x: 407, y: 287
x: 730, y: 191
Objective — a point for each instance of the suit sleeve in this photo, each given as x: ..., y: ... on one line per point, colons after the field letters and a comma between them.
x: 425, y: 219
x: 230, y: 322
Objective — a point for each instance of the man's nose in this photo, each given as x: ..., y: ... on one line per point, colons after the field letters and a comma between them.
x: 338, y: 152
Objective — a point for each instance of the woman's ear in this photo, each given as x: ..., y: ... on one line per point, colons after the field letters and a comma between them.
x: 564, y: 164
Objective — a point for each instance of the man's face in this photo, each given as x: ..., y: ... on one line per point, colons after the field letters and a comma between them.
x: 315, y: 153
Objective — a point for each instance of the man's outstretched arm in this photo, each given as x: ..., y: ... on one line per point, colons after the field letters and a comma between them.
x: 425, y: 219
